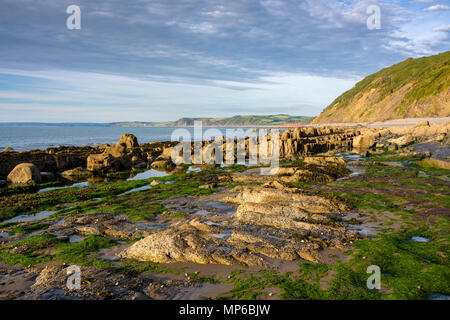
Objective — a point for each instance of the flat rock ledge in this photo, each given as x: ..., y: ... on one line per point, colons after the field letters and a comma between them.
x: 271, y: 223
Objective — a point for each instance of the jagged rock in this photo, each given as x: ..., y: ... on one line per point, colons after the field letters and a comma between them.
x: 163, y: 164
x: 166, y: 154
x: 420, y: 155
x: 329, y: 170
x: 48, y: 276
x: 392, y: 147
x: 324, y: 161
x: 209, y: 186
x: 104, y: 224
x: 274, y: 184
x: 402, y: 141
x: 99, y: 162
x: 8, y: 149
x: 154, y: 183
x: 77, y: 173
x: 129, y: 141
x: 435, y: 163
x: 263, y: 195
x: 25, y: 173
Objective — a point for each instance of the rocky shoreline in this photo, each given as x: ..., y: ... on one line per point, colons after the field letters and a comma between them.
x: 147, y: 228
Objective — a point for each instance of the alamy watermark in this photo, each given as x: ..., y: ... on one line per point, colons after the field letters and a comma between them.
x: 374, y: 20
x: 374, y: 281
x: 238, y: 146
x: 74, y: 280
x: 73, y: 22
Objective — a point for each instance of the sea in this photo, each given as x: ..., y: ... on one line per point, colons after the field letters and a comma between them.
x: 22, y: 138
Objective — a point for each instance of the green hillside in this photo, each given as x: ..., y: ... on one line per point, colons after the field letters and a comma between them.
x: 412, y: 88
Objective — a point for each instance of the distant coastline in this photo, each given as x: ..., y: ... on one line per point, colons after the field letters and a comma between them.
x: 235, y: 121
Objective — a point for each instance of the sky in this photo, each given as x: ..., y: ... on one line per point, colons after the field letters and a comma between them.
x: 160, y: 60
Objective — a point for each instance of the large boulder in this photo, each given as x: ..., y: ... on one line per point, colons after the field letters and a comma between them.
x: 364, y: 142
x: 25, y: 173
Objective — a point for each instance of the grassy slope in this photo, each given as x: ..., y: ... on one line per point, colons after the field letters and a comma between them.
x: 428, y: 77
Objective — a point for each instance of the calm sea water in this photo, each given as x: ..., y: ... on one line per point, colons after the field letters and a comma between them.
x: 36, y: 137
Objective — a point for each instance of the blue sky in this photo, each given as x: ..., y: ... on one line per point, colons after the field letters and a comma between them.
x: 157, y: 60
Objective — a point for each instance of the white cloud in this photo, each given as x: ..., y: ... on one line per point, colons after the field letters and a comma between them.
x: 438, y: 7
x: 444, y: 27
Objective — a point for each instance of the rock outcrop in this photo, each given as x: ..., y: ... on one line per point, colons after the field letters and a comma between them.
x: 50, y: 160
x: 270, y: 223
x: 118, y: 157
x: 311, y: 169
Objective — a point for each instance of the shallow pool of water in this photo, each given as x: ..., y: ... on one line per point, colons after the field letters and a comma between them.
x: 222, y: 236
x: 419, y: 239
x: 84, y: 184
x: 202, y: 212
x: 362, y: 230
x: 30, y: 217
x: 210, y: 223
x: 215, y: 204
x: 350, y: 156
x: 4, y: 235
x: 146, y: 187
x: 152, y: 173
x: 75, y: 238
x: 145, y: 226
x: 438, y: 296
x: 273, y: 237
x: 356, y: 171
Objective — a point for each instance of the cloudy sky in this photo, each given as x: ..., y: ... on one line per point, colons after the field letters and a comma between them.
x: 157, y: 60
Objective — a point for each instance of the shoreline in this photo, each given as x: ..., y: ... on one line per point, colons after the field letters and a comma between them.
x: 400, y: 123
